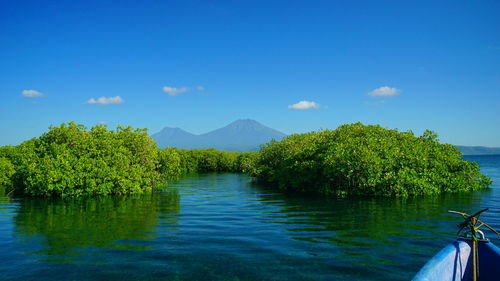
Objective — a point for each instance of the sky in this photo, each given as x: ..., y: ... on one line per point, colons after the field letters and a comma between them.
x: 295, y: 66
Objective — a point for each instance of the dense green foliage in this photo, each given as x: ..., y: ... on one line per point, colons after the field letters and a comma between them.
x: 170, y: 163
x: 356, y: 159
x: 70, y: 160
x: 177, y: 162
x: 211, y: 160
x: 6, y: 171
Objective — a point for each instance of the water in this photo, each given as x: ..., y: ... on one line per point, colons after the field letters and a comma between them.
x: 221, y: 227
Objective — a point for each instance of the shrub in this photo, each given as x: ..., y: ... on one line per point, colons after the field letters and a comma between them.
x: 6, y: 172
x: 246, y: 161
x: 70, y: 160
x: 368, y: 160
x: 170, y: 163
x: 208, y: 160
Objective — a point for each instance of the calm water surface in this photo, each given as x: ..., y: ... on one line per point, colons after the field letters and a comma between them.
x: 221, y: 227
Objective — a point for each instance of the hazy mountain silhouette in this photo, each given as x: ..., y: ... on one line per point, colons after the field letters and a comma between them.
x: 174, y: 137
x: 478, y: 150
x: 241, y: 135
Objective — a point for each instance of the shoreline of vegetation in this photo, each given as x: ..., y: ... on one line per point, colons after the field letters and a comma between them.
x: 367, y: 160
x: 355, y: 159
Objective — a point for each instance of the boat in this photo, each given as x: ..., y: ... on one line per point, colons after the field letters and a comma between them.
x: 472, y: 257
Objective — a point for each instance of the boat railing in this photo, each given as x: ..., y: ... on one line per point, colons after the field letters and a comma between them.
x: 469, y: 230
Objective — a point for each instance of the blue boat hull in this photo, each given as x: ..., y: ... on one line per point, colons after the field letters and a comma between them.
x: 454, y: 263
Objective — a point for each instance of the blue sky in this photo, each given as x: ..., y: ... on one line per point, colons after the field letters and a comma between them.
x: 295, y: 66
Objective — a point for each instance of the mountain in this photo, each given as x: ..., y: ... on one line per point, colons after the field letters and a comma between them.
x: 248, y: 135
x: 479, y: 150
x: 174, y: 137
x: 241, y: 135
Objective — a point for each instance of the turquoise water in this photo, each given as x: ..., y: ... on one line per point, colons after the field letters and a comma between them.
x: 222, y: 227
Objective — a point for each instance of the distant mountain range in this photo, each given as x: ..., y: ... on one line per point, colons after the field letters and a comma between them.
x: 248, y: 135
x: 479, y: 150
x: 241, y: 135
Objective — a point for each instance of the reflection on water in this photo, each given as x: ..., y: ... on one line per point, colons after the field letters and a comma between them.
x: 398, y: 235
x: 69, y: 224
x: 367, y: 222
x: 222, y: 227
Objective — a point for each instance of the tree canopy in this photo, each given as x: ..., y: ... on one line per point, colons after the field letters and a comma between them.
x: 70, y: 160
x: 6, y: 171
x: 357, y: 159
x: 354, y: 159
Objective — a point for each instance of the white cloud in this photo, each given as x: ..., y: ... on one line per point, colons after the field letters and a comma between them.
x: 301, y: 105
x: 384, y: 91
x: 32, y: 94
x: 105, y: 100
x: 172, y: 91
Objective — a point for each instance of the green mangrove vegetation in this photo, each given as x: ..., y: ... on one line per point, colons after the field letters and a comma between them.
x: 174, y: 163
x: 368, y: 160
x: 7, y: 170
x: 354, y: 159
x: 211, y: 160
x: 71, y: 160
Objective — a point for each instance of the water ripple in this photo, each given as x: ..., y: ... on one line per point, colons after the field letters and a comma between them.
x: 222, y: 227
